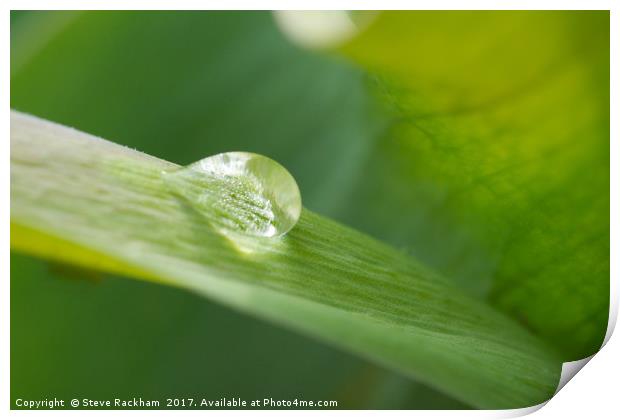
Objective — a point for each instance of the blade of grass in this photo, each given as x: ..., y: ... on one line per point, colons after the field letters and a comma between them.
x: 73, y: 192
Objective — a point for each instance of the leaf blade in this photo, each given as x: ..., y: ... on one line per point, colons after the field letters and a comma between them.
x: 323, y: 279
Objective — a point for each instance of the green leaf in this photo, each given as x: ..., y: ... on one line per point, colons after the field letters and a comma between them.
x: 323, y: 279
x: 497, y: 164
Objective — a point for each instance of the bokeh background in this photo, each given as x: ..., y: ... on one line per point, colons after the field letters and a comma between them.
x: 185, y: 85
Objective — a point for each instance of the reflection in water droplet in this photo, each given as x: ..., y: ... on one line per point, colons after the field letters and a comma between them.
x: 240, y: 192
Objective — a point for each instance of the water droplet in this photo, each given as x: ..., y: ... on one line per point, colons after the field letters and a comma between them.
x: 240, y: 192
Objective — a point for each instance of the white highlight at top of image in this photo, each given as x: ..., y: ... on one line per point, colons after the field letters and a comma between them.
x: 316, y: 28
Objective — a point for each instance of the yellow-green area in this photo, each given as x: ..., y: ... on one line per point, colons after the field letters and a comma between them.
x: 501, y: 141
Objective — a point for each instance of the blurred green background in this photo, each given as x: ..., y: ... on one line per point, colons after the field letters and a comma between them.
x: 392, y: 150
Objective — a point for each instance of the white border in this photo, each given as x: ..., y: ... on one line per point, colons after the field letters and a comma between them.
x: 308, y: 5
x: 594, y: 393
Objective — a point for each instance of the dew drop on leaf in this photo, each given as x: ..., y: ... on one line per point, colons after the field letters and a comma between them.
x: 240, y: 192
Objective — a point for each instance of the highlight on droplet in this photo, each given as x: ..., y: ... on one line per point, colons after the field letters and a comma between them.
x: 240, y: 193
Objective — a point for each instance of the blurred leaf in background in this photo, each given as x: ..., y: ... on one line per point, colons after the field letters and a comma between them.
x: 498, y: 160
x: 483, y: 150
